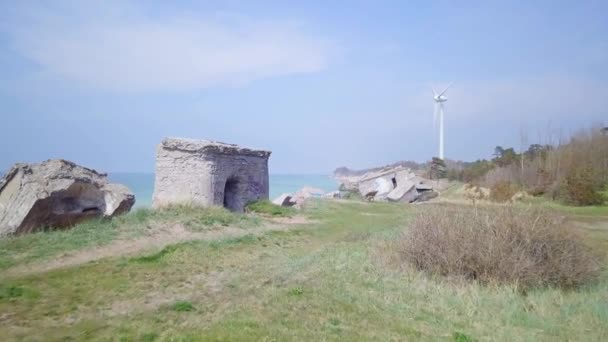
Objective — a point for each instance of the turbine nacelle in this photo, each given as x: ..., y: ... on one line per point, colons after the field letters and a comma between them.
x: 440, y: 98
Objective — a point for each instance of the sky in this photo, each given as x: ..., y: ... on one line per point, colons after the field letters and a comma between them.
x: 322, y: 84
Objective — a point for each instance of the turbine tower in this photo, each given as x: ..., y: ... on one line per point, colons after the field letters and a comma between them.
x: 439, y: 99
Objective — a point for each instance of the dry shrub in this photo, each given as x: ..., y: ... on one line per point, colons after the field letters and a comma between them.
x: 475, y: 192
x: 579, y: 189
x: 502, y: 191
x: 528, y: 248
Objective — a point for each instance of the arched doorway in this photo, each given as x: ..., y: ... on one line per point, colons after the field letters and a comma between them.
x: 232, y: 200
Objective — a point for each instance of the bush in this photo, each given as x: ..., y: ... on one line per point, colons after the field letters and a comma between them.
x: 580, y: 188
x: 497, y: 245
x: 502, y: 192
x: 269, y: 208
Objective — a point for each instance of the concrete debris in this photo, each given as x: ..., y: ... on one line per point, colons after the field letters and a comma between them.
x: 395, y: 184
x: 57, y: 194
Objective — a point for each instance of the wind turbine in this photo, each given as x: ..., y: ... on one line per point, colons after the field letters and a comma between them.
x: 439, y: 99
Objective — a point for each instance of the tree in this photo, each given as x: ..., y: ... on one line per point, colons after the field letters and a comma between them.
x: 504, y: 157
x: 438, y: 168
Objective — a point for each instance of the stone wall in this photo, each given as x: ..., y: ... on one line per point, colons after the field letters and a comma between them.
x: 206, y: 173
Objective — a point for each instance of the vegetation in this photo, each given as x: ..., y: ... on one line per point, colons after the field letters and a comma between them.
x: 437, y: 169
x: 574, y: 172
x: 330, y: 279
x: 526, y: 248
x: 470, y: 172
x: 578, y: 188
x: 45, y: 245
x: 502, y: 192
x: 268, y: 208
x: 182, y: 305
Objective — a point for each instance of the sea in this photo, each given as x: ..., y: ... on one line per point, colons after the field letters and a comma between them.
x: 142, y: 184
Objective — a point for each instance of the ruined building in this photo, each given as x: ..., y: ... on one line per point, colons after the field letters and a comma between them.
x: 209, y: 173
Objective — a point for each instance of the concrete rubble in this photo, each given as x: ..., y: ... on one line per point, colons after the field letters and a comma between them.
x: 395, y: 184
x: 298, y: 199
x: 57, y: 194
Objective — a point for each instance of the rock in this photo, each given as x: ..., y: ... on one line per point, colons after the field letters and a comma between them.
x: 427, y: 195
x: 119, y: 199
x: 57, y: 194
x: 300, y: 197
x: 391, y: 183
x: 208, y: 173
x: 404, y: 192
x: 385, y: 181
x: 371, y: 195
x: 284, y: 200
x: 421, y: 187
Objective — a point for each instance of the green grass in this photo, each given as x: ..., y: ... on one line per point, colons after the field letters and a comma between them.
x: 322, y: 281
x: 11, y: 292
x: 46, y: 245
x: 182, y: 306
x: 156, y: 257
x: 595, y: 210
x: 452, y: 190
x: 269, y: 208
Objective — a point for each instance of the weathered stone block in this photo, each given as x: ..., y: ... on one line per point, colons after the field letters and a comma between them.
x: 209, y: 173
x: 57, y: 194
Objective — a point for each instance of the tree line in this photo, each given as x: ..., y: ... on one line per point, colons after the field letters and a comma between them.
x: 574, y: 171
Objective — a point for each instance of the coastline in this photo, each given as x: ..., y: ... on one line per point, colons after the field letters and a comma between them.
x: 142, y: 184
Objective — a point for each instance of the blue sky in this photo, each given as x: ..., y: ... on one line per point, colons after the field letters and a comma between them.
x: 322, y: 84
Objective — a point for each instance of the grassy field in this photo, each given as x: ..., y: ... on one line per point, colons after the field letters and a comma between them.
x: 322, y: 279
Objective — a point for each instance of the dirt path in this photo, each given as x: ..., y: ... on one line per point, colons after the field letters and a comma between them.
x: 156, y: 240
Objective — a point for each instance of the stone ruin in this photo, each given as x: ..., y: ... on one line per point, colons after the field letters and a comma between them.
x: 394, y: 184
x: 208, y: 173
x: 57, y: 194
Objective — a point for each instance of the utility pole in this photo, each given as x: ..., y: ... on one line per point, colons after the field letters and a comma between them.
x: 523, y: 140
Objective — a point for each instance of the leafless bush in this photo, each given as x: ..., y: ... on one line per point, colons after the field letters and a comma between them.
x: 528, y: 248
x: 502, y: 191
x: 508, y: 173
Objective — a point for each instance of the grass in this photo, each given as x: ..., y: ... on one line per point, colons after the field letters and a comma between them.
x: 156, y: 257
x: 594, y: 210
x: 456, y: 189
x: 46, y: 245
x: 322, y: 281
x: 268, y: 208
x: 182, y: 306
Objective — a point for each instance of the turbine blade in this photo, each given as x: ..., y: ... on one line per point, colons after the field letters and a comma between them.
x: 435, y: 112
x: 434, y: 91
x: 446, y: 88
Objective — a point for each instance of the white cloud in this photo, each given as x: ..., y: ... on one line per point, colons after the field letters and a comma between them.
x: 121, y: 48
